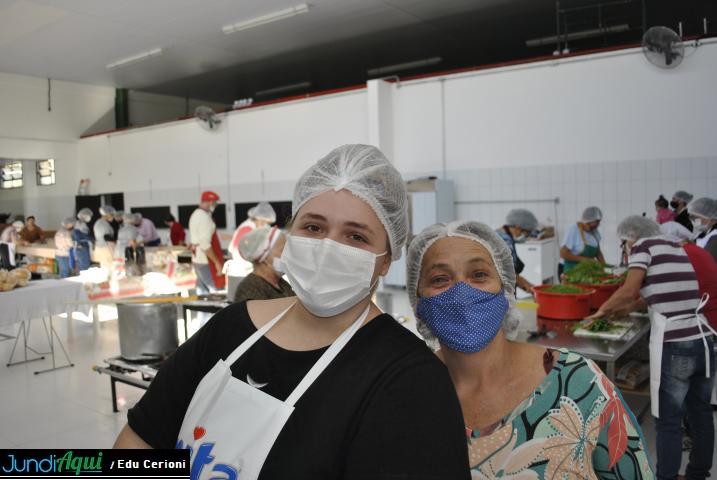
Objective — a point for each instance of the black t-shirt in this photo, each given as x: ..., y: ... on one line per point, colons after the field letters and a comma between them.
x: 684, y: 219
x: 385, y: 408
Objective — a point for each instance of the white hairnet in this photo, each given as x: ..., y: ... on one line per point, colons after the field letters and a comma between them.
x: 684, y: 196
x: 136, y: 217
x: 263, y: 211
x: 18, y: 225
x: 591, y: 214
x: 67, y: 222
x: 364, y: 171
x: 128, y: 217
x: 85, y: 214
x: 256, y: 245
x: 107, y: 210
x: 704, y: 207
x: 636, y: 227
x: 480, y: 233
x: 520, y: 217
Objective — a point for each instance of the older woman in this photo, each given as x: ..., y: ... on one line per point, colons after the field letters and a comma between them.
x: 528, y: 412
x: 322, y: 385
x: 262, y: 247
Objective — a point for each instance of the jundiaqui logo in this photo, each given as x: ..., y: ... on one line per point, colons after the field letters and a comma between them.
x: 203, y: 457
x: 53, y: 464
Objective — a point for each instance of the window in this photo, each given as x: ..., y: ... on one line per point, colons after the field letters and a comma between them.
x: 45, y: 172
x: 11, y: 174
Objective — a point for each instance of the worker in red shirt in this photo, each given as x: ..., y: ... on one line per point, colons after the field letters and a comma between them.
x: 176, y: 231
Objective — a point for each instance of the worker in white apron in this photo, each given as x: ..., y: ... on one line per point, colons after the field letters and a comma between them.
x: 658, y: 324
x: 213, y: 421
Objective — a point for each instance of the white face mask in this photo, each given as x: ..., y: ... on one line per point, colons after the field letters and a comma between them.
x: 327, y: 276
x: 699, y: 225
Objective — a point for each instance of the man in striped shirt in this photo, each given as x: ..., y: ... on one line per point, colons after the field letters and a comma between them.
x: 660, y: 274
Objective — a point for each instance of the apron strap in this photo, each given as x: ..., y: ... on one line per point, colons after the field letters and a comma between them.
x: 326, y: 359
x: 700, y: 321
x: 249, y: 342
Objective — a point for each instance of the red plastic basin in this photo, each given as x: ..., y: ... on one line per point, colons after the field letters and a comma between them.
x: 602, y: 292
x: 563, y: 306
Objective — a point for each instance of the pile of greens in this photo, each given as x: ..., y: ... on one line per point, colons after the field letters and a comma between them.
x: 597, y: 325
x: 564, y: 289
x: 590, y: 273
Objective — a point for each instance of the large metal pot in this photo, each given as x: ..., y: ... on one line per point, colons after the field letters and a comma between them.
x: 147, y: 330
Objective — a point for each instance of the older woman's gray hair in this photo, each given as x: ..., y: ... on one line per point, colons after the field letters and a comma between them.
x: 636, y: 227
x: 481, y: 234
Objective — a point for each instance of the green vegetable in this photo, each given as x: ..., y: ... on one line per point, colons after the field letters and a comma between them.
x: 564, y: 289
x: 597, y: 325
x: 590, y: 273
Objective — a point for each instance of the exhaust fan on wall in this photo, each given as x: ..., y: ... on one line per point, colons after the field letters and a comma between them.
x: 663, y: 47
x: 207, y: 117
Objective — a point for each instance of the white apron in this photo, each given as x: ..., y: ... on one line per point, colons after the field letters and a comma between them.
x: 229, y: 426
x: 702, y: 242
x: 658, y: 323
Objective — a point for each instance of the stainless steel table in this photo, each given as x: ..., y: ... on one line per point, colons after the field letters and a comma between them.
x: 608, y: 351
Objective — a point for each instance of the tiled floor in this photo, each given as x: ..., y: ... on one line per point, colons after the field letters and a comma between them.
x: 71, y: 407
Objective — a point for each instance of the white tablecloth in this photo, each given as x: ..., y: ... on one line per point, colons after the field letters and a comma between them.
x: 41, y: 298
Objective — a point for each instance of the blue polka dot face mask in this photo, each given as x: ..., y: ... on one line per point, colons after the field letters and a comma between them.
x: 464, y: 318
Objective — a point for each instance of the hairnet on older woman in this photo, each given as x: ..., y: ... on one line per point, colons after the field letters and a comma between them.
x: 365, y: 172
x: 520, y: 217
x: 263, y: 211
x: 256, y: 245
x: 636, y: 227
x: 704, y: 207
x: 479, y: 233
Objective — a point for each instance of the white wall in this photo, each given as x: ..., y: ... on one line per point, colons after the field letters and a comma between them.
x: 607, y: 129
x: 610, y: 130
x: 255, y: 154
x: 28, y: 131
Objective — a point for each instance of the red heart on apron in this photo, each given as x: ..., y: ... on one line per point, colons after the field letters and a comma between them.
x: 199, y: 432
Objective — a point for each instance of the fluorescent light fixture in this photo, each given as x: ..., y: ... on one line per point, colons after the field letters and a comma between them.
x: 135, y: 58
x: 404, y: 66
x: 268, y: 18
x: 594, y: 32
x: 282, y: 89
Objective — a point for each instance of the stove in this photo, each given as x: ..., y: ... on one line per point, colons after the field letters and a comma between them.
x: 138, y: 373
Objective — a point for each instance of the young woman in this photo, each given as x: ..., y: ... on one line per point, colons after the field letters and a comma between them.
x: 322, y: 385
x: 528, y: 412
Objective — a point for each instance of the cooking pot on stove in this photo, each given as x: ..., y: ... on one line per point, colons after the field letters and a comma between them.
x: 147, y: 330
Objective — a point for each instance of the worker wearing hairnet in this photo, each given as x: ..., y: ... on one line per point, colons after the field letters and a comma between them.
x: 582, y: 240
x: 679, y: 203
x: 83, y: 239
x: 262, y: 247
x: 105, y: 237
x: 460, y: 282
x: 258, y: 216
x: 519, y: 224
x: 9, y: 240
x: 63, y: 245
x: 682, y: 361
x: 236, y: 384
x: 127, y: 237
x: 703, y: 214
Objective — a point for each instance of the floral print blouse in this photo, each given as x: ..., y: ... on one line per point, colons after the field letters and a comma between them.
x: 575, y: 425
